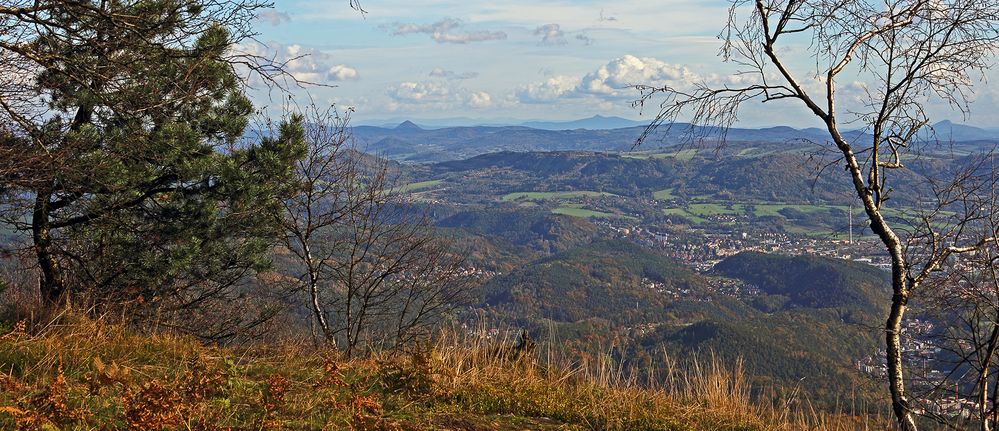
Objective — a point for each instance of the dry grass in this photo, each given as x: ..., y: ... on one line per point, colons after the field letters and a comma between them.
x: 87, y: 375
x: 702, y: 395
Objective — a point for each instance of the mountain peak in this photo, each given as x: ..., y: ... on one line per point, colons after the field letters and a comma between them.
x: 408, y: 125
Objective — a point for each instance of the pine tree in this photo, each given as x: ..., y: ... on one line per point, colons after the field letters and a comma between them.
x: 122, y: 148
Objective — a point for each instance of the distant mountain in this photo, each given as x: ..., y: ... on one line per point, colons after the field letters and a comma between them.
x: 596, y: 122
x: 442, y: 123
x: 946, y: 131
x: 408, y: 126
x: 409, y: 142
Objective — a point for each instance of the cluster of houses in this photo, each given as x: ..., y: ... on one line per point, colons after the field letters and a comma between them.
x: 702, y: 249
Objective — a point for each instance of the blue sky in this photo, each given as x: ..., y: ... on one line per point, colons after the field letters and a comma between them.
x: 511, y: 60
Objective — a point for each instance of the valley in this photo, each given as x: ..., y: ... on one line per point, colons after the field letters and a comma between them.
x: 738, y: 249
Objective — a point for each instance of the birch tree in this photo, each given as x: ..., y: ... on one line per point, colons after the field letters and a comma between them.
x: 910, y: 53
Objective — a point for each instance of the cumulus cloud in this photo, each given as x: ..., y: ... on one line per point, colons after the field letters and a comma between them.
x: 303, y: 63
x: 551, y: 34
x: 443, y: 32
x: 420, y: 92
x: 480, y: 99
x: 342, y: 72
x: 451, y: 75
x: 437, y: 94
x: 585, y: 39
x: 548, y: 90
x: 273, y: 17
x: 614, y: 76
x: 614, y: 79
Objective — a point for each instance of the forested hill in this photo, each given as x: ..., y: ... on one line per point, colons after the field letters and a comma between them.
x: 812, y: 281
x: 613, y: 280
x: 743, y: 172
x: 539, y: 231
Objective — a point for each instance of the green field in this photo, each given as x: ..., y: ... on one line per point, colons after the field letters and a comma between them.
x: 585, y: 213
x: 543, y: 196
x: 683, y: 213
x: 707, y: 209
x: 710, y: 209
x: 422, y: 185
x: 700, y: 212
x: 762, y: 210
x: 683, y: 155
x: 664, y: 194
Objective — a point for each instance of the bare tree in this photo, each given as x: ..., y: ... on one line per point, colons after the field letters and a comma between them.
x: 962, y: 296
x: 909, y: 52
x: 374, y: 270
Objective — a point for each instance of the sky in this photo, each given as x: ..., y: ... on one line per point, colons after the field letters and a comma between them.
x: 513, y: 60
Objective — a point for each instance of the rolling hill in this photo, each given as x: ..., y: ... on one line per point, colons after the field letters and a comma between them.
x: 411, y: 143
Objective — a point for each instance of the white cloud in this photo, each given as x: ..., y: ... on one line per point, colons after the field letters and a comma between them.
x: 613, y: 80
x: 273, y: 17
x: 674, y: 17
x: 551, y: 34
x: 480, y: 99
x: 437, y: 95
x: 420, y: 92
x: 548, y: 90
x: 451, y: 75
x: 351, y: 103
x: 342, y: 72
x: 303, y: 63
x: 441, y: 31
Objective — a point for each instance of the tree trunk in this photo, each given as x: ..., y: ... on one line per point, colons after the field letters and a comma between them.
x: 893, y: 326
x: 994, y: 414
x: 983, y: 399
x: 983, y: 379
x: 317, y: 307
x: 893, y: 332
x: 52, y: 286
x: 899, y: 281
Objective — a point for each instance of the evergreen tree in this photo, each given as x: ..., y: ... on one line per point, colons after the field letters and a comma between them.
x: 121, y: 148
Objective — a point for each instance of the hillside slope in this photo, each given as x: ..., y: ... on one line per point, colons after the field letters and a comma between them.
x: 609, y: 280
x: 797, y: 317
x: 88, y: 375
